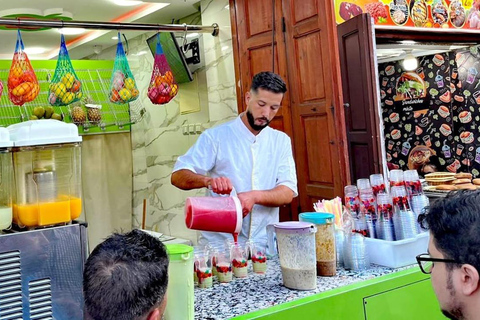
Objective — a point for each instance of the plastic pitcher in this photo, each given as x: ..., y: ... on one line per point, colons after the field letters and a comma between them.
x: 296, y: 250
x: 180, y: 303
x: 217, y: 214
x: 324, y: 241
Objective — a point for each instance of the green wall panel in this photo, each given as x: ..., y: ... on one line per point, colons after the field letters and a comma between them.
x: 95, y: 78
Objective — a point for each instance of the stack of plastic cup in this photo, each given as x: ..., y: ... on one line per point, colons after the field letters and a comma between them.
x: 378, y: 184
x: 351, y: 199
x: 396, y: 178
x: 363, y: 184
x: 404, y: 219
x: 419, y: 203
x: 355, y: 257
x: 353, y: 205
x: 339, y: 242
x: 385, y: 227
x: 412, y: 183
x: 368, y: 208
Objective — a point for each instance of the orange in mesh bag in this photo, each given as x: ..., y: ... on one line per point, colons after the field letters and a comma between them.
x: 163, y: 86
x: 22, y: 82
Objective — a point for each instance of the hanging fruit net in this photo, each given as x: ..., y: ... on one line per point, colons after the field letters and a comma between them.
x: 22, y: 82
x: 123, y: 88
x: 65, y: 87
x: 163, y: 87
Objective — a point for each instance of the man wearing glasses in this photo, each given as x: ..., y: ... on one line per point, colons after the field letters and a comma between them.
x: 453, y: 257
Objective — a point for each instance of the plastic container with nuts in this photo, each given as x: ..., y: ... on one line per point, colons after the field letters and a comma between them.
x: 324, y: 241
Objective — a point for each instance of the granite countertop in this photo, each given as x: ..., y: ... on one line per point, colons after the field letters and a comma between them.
x: 241, y: 296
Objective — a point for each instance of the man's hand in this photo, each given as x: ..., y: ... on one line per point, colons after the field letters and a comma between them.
x: 221, y: 185
x: 247, y: 199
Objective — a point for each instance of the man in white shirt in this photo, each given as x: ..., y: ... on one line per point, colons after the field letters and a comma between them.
x: 247, y: 155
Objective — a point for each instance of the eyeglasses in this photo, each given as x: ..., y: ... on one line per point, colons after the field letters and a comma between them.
x: 425, y: 262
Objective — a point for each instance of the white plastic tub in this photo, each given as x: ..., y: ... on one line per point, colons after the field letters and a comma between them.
x: 396, y: 254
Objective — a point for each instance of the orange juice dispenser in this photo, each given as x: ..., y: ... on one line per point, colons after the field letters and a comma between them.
x: 6, y: 179
x: 47, y: 164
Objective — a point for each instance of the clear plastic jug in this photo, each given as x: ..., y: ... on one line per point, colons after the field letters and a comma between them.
x: 180, y: 302
x: 217, y: 214
x: 296, y: 250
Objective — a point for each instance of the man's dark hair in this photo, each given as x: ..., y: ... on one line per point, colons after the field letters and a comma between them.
x: 125, y: 277
x: 454, y: 222
x: 268, y: 81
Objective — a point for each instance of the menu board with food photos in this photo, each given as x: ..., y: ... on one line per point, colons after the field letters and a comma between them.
x: 456, y: 14
x: 445, y: 124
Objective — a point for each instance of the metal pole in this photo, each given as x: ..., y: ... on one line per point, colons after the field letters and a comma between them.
x: 213, y: 29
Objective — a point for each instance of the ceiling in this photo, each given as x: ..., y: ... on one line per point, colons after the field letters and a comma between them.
x: 397, y: 51
x: 80, y: 46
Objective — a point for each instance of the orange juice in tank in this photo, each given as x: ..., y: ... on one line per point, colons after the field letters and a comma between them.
x: 47, y: 164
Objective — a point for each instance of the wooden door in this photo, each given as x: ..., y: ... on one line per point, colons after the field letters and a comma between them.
x: 317, y: 115
x: 254, y: 21
x: 252, y: 25
x: 355, y: 41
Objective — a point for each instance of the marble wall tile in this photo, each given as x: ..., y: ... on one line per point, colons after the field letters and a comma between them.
x: 158, y: 139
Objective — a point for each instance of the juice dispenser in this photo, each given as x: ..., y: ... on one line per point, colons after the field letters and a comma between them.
x: 47, y: 164
x: 6, y: 179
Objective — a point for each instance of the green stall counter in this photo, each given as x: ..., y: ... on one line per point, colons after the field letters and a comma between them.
x: 401, y: 295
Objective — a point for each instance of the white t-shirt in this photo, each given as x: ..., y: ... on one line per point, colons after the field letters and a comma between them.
x: 260, y: 162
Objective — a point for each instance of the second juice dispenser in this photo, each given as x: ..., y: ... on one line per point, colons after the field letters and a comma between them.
x: 47, y: 170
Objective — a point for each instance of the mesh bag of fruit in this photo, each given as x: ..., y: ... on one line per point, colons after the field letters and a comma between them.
x: 123, y: 88
x: 162, y: 86
x: 65, y: 87
x: 22, y: 82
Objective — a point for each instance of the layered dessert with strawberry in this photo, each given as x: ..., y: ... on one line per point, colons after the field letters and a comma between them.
x: 240, y: 268
x: 224, y: 272
x: 259, y: 264
x: 205, y: 278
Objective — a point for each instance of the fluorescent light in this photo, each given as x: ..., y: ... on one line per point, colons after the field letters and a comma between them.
x: 126, y: 2
x: 115, y: 38
x: 408, y: 42
x: 35, y: 50
x: 410, y: 63
x: 141, y: 53
x: 224, y: 48
x: 71, y: 31
x: 192, y: 35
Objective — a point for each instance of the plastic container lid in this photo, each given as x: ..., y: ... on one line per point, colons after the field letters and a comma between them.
x: 178, y: 252
x: 5, y: 138
x: 295, y: 227
x: 317, y: 217
x: 42, y: 132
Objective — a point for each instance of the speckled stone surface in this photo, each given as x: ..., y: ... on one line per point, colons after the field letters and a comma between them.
x: 241, y: 296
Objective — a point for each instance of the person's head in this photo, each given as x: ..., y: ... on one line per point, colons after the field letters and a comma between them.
x: 454, y: 224
x: 264, y: 99
x: 125, y: 278
x: 433, y: 165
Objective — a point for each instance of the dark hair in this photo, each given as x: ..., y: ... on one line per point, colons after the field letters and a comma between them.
x: 268, y: 81
x: 125, y: 277
x: 454, y: 223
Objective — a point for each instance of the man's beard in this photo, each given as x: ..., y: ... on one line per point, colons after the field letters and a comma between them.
x: 455, y: 312
x: 256, y: 127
